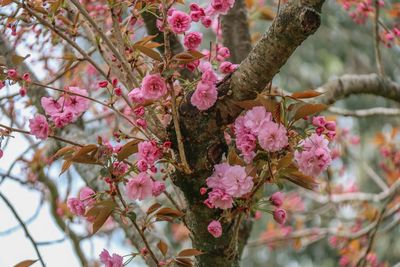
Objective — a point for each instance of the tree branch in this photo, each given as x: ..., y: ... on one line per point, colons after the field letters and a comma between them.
x: 358, y: 84
x: 296, y: 21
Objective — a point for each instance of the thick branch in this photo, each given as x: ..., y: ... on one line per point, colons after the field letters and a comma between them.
x: 294, y: 24
x: 235, y: 31
x: 359, y: 84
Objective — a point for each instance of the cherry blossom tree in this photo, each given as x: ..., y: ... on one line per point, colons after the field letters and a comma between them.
x: 168, y: 111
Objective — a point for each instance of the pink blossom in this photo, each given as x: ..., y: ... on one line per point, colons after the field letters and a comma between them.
x: 204, y: 96
x: 22, y: 91
x: 153, y: 86
x: 118, y: 91
x: 209, y: 76
x: 158, y: 188
x: 76, y: 206
x: 140, y: 187
x: 227, y: 67
x: 50, y: 105
x: 277, y: 199
x: 232, y: 180
x: 139, y: 111
x: 196, y: 16
x: 75, y: 104
x: 39, y: 126
x: 280, y: 215
x: 221, y: 6
x: 273, y: 136
x: 141, y: 123
x: 255, y: 118
x: 314, y: 156
x: 136, y: 96
x: 149, y: 152
x: 215, y: 228
x: 119, y: 168
x: 110, y: 261
x: 236, y: 182
x: 319, y: 121
x: 86, y: 196
x: 217, y: 198
x: 203, y: 190
x: 179, y: 22
x: 193, y: 40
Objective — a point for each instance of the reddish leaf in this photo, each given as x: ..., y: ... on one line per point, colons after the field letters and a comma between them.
x: 101, y: 211
x: 84, y: 151
x: 190, y: 252
x: 305, y: 94
x: 169, y: 212
x: 65, y: 166
x: 285, y: 161
x: 128, y: 149
x: 148, y: 52
x: 25, y: 263
x: 248, y: 104
x: 233, y: 158
x: 153, y: 208
x: 163, y: 247
x: 307, y: 110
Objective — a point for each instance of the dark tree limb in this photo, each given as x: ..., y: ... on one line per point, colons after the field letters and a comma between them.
x: 236, y: 33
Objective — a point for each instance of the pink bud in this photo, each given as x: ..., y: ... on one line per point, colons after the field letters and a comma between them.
x: 141, y: 122
x: 330, y: 125
x: 118, y: 91
x: 2, y: 84
x: 103, y: 84
x: 153, y: 169
x: 277, y: 199
x: 26, y: 77
x: 115, y: 82
x: 22, y: 91
x: 319, y: 121
x: 203, y: 190
x: 142, y: 165
x: 320, y: 130
x: 280, y: 215
x: 331, y: 134
x: 167, y: 144
x: 144, y: 251
x: 1, y: 153
x: 206, y: 21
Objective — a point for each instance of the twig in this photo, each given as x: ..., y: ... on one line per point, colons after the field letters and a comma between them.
x: 365, y: 112
x: 34, y: 244
x: 378, y: 57
x: 11, y: 129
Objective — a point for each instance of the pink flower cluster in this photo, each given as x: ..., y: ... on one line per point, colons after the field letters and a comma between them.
x: 206, y: 93
x: 256, y: 124
x: 142, y: 187
x: 78, y: 206
x: 110, y: 261
x: 360, y: 10
x: 148, y: 154
x: 226, y: 183
x: 179, y: 21
x: 220, y: 7
x: 39, y: 126
x: 67, y: 108
x: 314, y: 156
x: 153, y: 88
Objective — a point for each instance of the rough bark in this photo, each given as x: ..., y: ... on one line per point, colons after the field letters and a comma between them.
x: 203, y: 131
x: 235, y: 32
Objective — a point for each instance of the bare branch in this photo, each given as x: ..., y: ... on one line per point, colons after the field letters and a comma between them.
x: 380, y: 111
x: 11, y: 207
